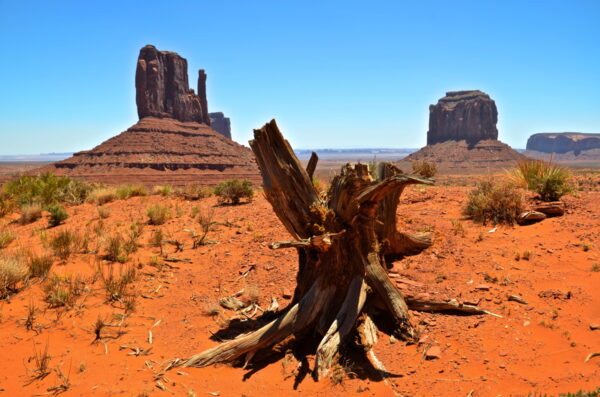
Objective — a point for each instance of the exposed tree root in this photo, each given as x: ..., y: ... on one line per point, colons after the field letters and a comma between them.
x: 300, y: 315
x: 343, y: 241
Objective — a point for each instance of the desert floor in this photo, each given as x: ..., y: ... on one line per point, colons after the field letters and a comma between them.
x: 538, y: 346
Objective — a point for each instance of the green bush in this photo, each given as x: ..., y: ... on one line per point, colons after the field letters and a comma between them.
x: 158, y: 214
x: 550, y: 181
x: 424, y: 168
x: 496, y: 203
x: 57, y: 215
x: 233, y: 190
x: 47, y: 189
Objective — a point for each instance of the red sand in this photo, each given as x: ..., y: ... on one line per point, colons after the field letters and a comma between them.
x: 535, y: 347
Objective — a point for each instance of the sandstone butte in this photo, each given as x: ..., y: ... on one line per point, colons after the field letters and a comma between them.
x: 172, y: 143
x: 463, y: 135
x: 564, y: 146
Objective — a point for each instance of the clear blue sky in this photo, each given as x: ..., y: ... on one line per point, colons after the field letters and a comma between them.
x: 333, y: 73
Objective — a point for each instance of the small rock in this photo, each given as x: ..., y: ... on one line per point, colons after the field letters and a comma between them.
x: 482, y: 287
x: 286, y: 294
x: 433, y: 353
x: 594, y: 326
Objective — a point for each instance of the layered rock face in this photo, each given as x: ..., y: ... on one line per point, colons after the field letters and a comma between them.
x: 162, y: 88
x: 463, y: 115
x: 221, y: 124
x: 563, y: 142
x: 172, y: 143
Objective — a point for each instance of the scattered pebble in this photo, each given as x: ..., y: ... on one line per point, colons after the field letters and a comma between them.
x: 433, y: 353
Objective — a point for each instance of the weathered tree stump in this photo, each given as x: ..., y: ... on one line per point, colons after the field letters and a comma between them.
x: 343, y: 241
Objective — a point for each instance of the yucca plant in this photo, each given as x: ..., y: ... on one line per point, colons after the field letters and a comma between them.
x: 550, y: 181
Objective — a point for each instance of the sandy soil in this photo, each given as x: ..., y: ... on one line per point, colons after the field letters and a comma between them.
x: 539, y: 346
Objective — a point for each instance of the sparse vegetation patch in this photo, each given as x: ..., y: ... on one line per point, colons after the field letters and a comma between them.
x: 424, y: 168
x: 496, y: 203
x: 550, y: 181
x: 234, y: 190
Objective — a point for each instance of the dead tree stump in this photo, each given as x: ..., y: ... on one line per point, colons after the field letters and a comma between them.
x: 344, y: 241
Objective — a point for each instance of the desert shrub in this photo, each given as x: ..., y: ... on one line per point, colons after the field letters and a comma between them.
x: 424, y: 168
x: 102, y: 196
x: 135, y: 232
x: 30, y: 213
x: 157, y: 238
x: 57, y: 215
x: 194, y: 192
x: 115, y: 249
x: 39, y: 265
x: 164, y: 190
x: 158, y: 214
x: 47, y: 189
x: 6, y: 237
x: 127, y: 191
x: 12, y: 272
x: 205, y: 219
x: 103, y: 212
x: 550, y: 181
x: 65, y: 243
x: 6, y: 204
x: 496, y: 203
x: 62, y: 290
x: 116, y: 285
x: 233, y: 190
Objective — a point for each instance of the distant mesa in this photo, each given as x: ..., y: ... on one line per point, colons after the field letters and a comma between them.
x: 463, y: 115
x: 567, y: 145
x: 463, y: 136
x: 172, y: 143
x: 220, y: 123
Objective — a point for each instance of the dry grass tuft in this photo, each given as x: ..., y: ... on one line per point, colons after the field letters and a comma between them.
x: 194, y: 192
x: 39, y: 265
x: 117, y: 285
x: 12, y: 272
x: 424, y: 168
x: 127, y: 191
x: 102, y: 196
x: 65, y: 243
x: 6, y: 237
x: 62, y: 291
x: 30, y: 213
x: 158, y: 214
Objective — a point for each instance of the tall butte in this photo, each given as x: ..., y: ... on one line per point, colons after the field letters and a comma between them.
x: 172, y: 143
x: 463, y: 137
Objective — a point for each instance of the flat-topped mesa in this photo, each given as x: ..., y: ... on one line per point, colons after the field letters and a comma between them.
x: 463, y: 115
x: 162, y: 88
x: 220, y: 123
x: 563, y: 142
